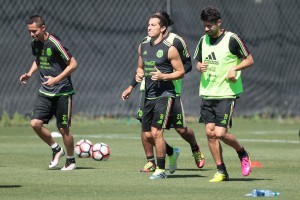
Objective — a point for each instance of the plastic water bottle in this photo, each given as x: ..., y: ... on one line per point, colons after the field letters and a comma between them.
x: 262, y: 193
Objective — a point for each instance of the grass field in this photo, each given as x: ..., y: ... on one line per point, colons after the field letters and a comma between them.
x: 24, y: 163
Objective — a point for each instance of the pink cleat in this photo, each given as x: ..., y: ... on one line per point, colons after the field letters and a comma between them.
x: 246, y: 165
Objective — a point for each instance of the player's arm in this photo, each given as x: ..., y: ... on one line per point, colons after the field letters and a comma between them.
x: 177, y: 65
x: 140, y: 69
x: 71, y: 66
x: 184, y: 53
x: 238, y: 48
x: 24, y: 77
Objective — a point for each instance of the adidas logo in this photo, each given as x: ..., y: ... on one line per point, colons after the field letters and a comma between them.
x: 145, y: 53
x: 179, y: 123
x: 211, y: 59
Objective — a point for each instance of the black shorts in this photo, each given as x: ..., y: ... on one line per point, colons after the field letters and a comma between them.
x: 217, y: 111
x: 177, y: 117
x: 156, y: 113
x: 60, y: 107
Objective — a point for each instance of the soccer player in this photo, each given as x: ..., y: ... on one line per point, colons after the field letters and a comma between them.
x: 55, y: 64
x: 221, y: 56
x: 159, y: 63
x: 177, y: 119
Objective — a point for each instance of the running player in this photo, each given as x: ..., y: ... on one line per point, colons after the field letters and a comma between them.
x: 159, y: 63
x: 221, y: 56
x: 55, y: 64
x: 177, y: 119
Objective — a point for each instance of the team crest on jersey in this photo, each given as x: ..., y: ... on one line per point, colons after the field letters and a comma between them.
x: 49, y: 52
x: 159, y: 53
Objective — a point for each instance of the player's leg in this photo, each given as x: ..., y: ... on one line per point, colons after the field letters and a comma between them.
x: 208, y: 116
x: 63, y: 122
x: 179, y: 123
x: 161, y: 115
x: 225, y: 110
x: 148, y: 144
x: 41, y: 114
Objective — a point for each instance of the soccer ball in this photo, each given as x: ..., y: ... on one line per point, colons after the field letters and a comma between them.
x: 100, y: 151
x: 83, y: 148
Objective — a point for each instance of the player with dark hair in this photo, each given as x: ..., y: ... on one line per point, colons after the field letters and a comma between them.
x: 221, y: 56
x: 159, y: 64
x: 177, y: 119
x: 55, y: 64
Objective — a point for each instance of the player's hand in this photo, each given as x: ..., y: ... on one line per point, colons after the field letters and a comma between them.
x: 51, y: 81
x: 126, y: 93
x: 24, y: 78
x: 231, y: 75
x: 156, y: 75
x: 139, y: 75
x: 201, y: 67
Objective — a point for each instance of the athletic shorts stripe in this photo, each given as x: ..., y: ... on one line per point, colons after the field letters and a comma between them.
x: 167, y: 114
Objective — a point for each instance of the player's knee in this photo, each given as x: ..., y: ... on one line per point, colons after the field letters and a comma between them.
x: 36, y: 124
x: 181, y: 131
x: 64, y: 131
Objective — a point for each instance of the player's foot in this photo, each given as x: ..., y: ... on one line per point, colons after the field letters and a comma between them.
x: 199, y: 159
x: 158, y: 174
x: 246, y: 165
x: 219, y: 176
x: 149, y: 167
x: 173, y: 160
x: 70, y: 165
x: 56, y: 157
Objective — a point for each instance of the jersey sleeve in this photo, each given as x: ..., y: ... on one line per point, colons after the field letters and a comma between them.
x: 184, y: 53
x: 61, y: 50
x: 237, y: 47
x: 198, y: 51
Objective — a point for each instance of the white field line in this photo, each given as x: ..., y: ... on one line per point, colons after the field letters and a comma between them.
x: 130, y: 137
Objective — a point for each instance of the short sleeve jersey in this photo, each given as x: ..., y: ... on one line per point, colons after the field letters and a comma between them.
x: 52, y: 58
x: 182, y: 48
x: 157, y: 56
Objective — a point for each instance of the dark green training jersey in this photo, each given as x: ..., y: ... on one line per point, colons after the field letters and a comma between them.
x: 52, y: 58
x: 157, y: 56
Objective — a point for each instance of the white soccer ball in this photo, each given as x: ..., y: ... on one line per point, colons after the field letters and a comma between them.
x: 83, y: 148
x: 100, y: 151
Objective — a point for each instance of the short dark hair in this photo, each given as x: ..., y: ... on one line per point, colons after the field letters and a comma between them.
x: 36, y: 19
x: 210, y: 14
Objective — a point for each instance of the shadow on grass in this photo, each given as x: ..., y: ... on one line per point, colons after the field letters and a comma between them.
x: 10, y: 186
x: 250, y: 179
x: 185, y: 176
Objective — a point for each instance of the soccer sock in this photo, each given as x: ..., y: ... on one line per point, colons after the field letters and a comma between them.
x: 169, y: 149
x: 161, y: 162
x: 70, y: 159
x: 242, y: 153
x: 222, y: 168
x: 151, y: 159
x: 195, y: 148
x: 55, y: 147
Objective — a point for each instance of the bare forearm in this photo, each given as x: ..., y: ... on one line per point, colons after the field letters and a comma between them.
x: 68, y: 70
x: 173, y: 76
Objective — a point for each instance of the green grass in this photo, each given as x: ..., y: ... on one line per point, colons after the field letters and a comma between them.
x: 24, y: 159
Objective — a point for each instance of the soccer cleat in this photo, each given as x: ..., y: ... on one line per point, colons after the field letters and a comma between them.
x: 246, y: 165
x: 69, y: 165
x: 55, y: 158
x: 173, y: 160
x: 158, y: 174
x: 199, y: 159
x: 218, y: 177
x: 149, y: 167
